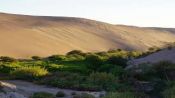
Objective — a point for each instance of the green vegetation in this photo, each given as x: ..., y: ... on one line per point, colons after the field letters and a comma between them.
x: 125, y: 95
x: 83, y: 95
x: 31, y: 72
x: 101, y: 71
x: 42, y: 95
x: 169, y: 93
x: 60, y: 94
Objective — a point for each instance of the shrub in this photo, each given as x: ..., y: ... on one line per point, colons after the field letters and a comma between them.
x: 114, y: 50
x: 83, y: 95
x: 117, y: 61
x: 56, y: 58
x: 6, y: 69
x: 36, y: 58
x: 94, y: 62
x: 42, y: 95
x: 153, y: 49
x: 162, y: 69
x: 54, y: 67
x: 169, y: 93
x: 7, y: 59
x: 76, y: 52
x: 75, y: 57
x: 158, y: 87
x: 60, y: 94
x: 163, y: 65
x: 88, y: 86
x: 135, y: 54
x: 63, y: 80
x: 104, y: 80
x: 29, y: 73
x: 109, y: 68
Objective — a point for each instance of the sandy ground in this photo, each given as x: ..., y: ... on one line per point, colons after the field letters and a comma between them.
x: 27, y: 89
x: 164, y: 55
x: 24, y: 36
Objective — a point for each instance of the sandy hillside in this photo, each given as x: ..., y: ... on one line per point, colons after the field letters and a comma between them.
x: 164, y: 55
x: 25, y: 36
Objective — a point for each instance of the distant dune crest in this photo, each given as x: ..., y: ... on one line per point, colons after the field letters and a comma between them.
x: 24, y: 36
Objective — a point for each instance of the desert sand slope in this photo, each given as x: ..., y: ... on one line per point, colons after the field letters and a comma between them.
x: 24, y: 36
x: 164, y: 55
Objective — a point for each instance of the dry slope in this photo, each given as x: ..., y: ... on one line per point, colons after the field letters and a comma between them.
x: 163, y: 55
x: 24, y: 36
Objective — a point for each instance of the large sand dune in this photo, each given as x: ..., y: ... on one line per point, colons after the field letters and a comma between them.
x: 25, y: 36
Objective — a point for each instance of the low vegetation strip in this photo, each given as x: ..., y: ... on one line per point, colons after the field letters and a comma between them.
x: 102, y: 71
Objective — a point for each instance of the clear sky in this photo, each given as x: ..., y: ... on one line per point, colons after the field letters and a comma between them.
x: 129, y: 12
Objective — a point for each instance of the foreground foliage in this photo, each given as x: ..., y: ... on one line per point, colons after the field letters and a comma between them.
x: 101, y: 71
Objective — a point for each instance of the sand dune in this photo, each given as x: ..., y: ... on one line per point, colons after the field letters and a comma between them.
x: 163, y: 55
x: 25, y: 36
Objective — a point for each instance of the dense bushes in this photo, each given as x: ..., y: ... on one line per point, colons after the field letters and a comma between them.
x: 29, y: 73
x: 7, y: 59
x: 36, y: 58
x: 93, y: 72
x: 169, y: 93
x: 56, y: 58
x: 5, y: 68
x: 93, y: 82
x: 103, y: 80
x: 76, y: 52
x: 93, y: 62
x: 120, y: 61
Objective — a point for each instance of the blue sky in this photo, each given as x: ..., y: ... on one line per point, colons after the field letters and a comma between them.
x: 159, y: 13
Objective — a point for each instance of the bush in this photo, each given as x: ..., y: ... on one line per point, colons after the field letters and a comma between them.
x: 162, y: 69
x: 60, y: 94
x: 29, y: 73
x: 163, y: 65
x: 56, y: 58
x: 7, y: 59
x: 153, y: 49
x: 115, y: 70
x: 42, y: 95
x: 135, y: 54
x: 63, y: 80
x: 83, y: 95
x: 94, y: 62
x: 169, y: 93
x: 94, y: 82
x: 54, y: 67
x: 75, y: 57
x: 104, y: 80
x: 76, y: 52
x: 6, y: 69
x: 36, y: 58
x: 120, y: 61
